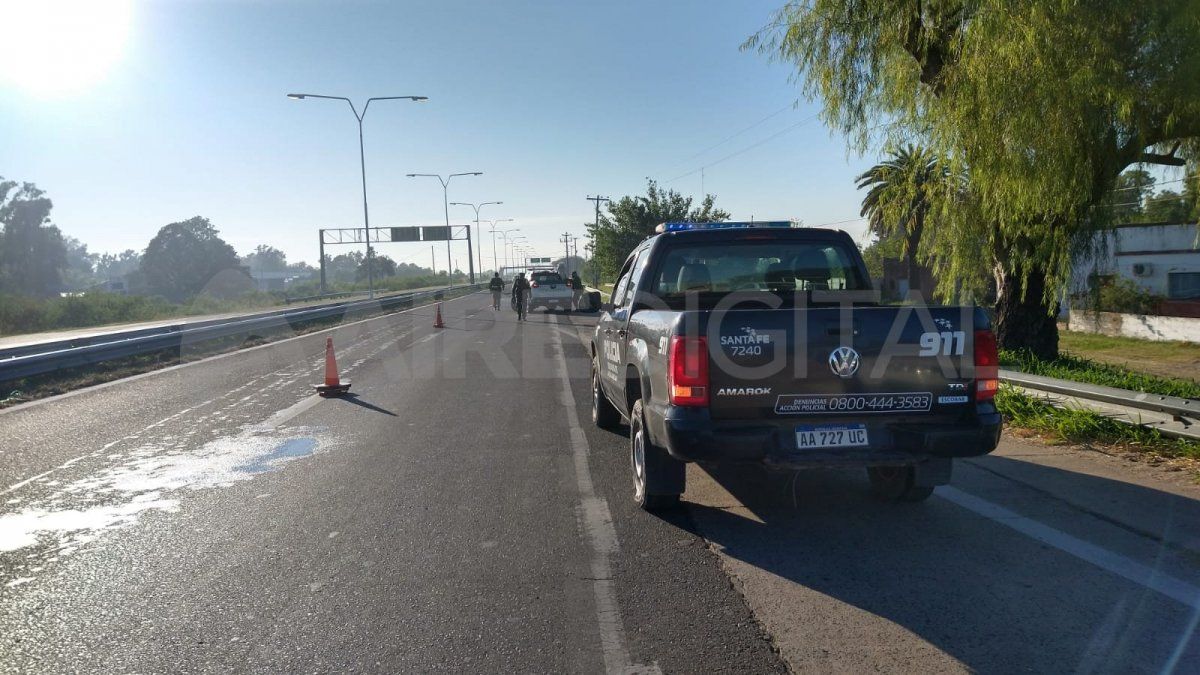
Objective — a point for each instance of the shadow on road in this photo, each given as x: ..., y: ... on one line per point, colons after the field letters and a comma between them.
x: 356, y: 400
x: 990, y: 598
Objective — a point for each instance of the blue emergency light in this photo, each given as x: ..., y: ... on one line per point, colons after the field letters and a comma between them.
x: 679, y: 226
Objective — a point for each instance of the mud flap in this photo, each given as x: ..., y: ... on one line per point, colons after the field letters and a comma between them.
x: 665, y: 475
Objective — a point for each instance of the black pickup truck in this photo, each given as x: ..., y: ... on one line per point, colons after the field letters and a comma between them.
x: 739, y: 342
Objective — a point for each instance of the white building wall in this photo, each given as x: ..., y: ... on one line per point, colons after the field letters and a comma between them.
x: 1145, y: 255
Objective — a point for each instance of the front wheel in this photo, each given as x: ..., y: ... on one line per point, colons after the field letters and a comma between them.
x: 897, y: 484
x: 658, y: 478
x: 604, y: 413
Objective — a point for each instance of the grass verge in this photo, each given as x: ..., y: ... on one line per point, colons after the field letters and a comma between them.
x: 1078, y: 369
x: 63, y: 381
x: 1087, y: 428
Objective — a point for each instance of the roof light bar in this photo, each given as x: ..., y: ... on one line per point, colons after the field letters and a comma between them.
x: 678, y: 226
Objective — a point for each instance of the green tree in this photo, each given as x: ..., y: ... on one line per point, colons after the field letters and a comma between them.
x: 631, y: 219
x: 80, y: 272
x: 1041, y: 104
x: 875, y: 253
x: 1167, y: 206
x: 382, y: 265
x: 1191, y: 194
x: 266, y: 259
x: 114, y: 266
x: 1129, y: 194
x: 342, y: 268
x: 900, y: 192
x: 32, y: 252
x: 183, y: 258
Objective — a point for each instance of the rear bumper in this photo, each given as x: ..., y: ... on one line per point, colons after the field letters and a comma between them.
x: 690, y: 435
x: 550, y: 301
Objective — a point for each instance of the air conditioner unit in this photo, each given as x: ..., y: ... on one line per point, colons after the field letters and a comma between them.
x: 1142, y: 269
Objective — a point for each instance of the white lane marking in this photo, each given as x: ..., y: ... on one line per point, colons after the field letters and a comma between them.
x: 601, y: 534
x: 271, y: 423
x: 1134, y: 571
x: 281, y: 417
x: 132, y: 378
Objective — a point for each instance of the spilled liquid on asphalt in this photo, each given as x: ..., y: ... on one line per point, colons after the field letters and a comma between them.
x: 146, y: 478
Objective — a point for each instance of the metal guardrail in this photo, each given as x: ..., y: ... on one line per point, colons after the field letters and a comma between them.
x: 1170, y: 415
x: 47, y: 357
x: 1172, y: 405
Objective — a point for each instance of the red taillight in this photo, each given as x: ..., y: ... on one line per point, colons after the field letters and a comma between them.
x: 687, y: 371
x: 987, y: 365
x: 533, y: 285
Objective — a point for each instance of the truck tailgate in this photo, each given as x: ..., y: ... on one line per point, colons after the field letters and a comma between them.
x: 831, y: 363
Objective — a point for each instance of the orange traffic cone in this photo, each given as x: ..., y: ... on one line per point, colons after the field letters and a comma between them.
x: 333, y: 386
x: 437, y: 320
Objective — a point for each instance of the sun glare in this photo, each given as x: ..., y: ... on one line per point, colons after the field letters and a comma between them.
x: 61, y: 47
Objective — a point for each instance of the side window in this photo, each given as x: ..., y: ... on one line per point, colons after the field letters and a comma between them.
x: 618, y: 293
x: 631, y: 281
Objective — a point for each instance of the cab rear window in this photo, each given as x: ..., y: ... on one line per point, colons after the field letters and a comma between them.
x: 548, y: 278
x: 776, y: 267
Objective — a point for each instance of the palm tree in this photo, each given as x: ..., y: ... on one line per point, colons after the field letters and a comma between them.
x: 900, y: 195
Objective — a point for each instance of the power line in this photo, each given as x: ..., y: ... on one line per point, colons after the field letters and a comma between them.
x: 739, y: 133
x: 1143, y: 187
x: 746, y: 149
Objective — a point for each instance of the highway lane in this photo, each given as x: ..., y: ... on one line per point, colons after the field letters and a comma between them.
x: 452, y: 516
x: 434, y: 522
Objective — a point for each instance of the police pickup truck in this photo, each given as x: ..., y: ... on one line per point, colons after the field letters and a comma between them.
x: 763, y: 342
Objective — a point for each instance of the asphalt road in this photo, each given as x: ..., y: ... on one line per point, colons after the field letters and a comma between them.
x: 459, y: 513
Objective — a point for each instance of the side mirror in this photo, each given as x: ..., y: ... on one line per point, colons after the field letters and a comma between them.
x: 606, y: 307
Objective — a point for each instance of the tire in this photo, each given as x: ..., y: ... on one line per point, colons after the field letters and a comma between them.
x: 658, y: 478
x: 604, y: 414
x: 895, y: 484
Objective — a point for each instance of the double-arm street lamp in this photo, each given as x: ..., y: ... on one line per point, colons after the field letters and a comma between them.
x: 504, y: 236
x: 515, y: 244
x: 446, y: 204
x: 492, y: 224
x: 478, y: 235
x: 362, y: 162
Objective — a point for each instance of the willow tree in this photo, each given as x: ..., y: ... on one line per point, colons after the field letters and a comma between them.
x: 1038, y: 104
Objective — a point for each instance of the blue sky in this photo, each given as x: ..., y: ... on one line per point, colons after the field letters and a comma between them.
x: 553, y: 101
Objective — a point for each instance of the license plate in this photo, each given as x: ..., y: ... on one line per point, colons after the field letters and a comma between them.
x: 831, y: 436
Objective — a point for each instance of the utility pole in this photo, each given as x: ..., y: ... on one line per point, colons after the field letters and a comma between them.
x: 598, y: 199
x: 566, y: 240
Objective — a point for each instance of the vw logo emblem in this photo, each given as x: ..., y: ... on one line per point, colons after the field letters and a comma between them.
x: 843, y: 361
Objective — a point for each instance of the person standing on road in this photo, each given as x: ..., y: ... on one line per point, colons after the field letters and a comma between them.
x: 496, y: 285
x: 576, y: 290
x: 520, y: 293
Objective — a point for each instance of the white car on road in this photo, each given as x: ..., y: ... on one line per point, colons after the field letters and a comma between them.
x: 548, y: 290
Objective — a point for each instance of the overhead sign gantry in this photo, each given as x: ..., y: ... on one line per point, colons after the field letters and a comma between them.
x: 334, y: 236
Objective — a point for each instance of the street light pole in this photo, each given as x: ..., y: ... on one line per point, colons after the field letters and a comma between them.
x: 446, y: 205
x: 478, y: 233
x: 362, y: 162
x: 492, y: 225
x: 504, y: 235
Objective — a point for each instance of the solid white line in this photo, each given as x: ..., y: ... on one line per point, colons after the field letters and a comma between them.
x: 602, y: 536
x: 279, y: 418
x: 113, y: 383
x: 1146, y: 576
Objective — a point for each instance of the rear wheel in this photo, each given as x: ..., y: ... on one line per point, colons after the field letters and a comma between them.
x: 897, y: 484
x: 604, y: 413
x: 658, y: 478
